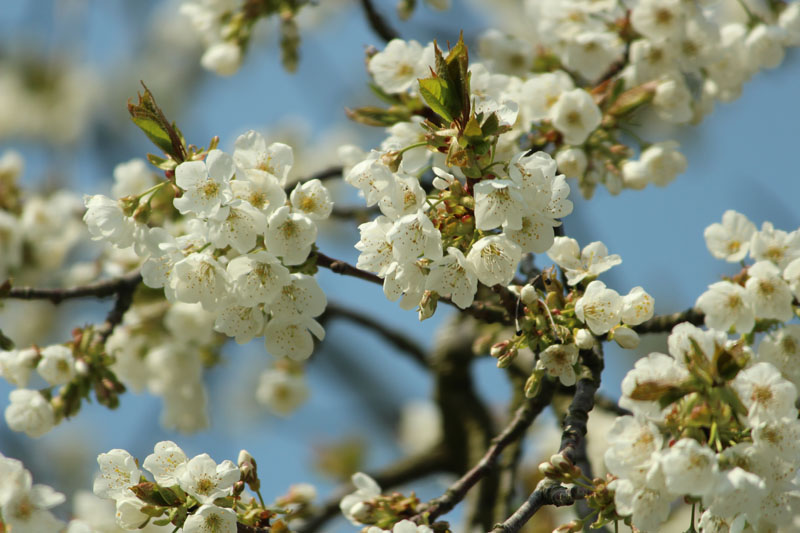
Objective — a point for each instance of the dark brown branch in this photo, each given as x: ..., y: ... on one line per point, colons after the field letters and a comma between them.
x: 242, y: 528
x: 408, y: 469
x: 665, y: 323
x: 523, y: 418
x: 121, y: 305
x: 573, y: 447
x: 378, y: 23
x: 395, y: 337
x: 478, y: 310
x: 101, y: 289
x: 322, y: 175
x: 547, y: 493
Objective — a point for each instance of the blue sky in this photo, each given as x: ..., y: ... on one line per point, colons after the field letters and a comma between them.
x: 743, y: 157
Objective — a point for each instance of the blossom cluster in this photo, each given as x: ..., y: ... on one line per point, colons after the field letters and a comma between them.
x: 226, y: 27
x: 37, y: 232
x: 194, y: 495
x: 25, y: 507
x: 766, y: 290
x: 239, y: 248
x: 711, y: 422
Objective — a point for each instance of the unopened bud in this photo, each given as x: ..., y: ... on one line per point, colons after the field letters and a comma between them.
x: 427, y: 305
x: 626, y: 337
x: 534, y: 383
x: 128, y: 204
x: 238, y: 488
x: 529, y: 296
x: 548, y: 470
x: 584, y: 339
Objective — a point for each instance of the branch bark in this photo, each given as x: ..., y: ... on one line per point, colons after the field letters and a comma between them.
x: 573, y: 446
x: 479, y: 310
x: 394, y: 337
x: 378, y: 23
x: 408, y: 469
x: 100, y: 289
x: 665, y: 323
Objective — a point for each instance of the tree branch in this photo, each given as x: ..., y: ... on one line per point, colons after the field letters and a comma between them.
x: 479, y: 310
x: 394, y: 337
x: 523, y: 418
x: 402, y: 472
x: 665, y: 323
x: 378, y: 23
x: 573, y: 447
x: 547, y: 492
x: 100, y: 289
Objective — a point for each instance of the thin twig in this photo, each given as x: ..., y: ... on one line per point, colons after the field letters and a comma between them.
x: 572, y: 447
x: 547, y: 492
x: 665, y: 323
x: 322, y: 175
x: 395, y: 337
x: 378, y: 23
x: 479, y: 310
x: 405, y: 470
x: 100, y: 289
x: 523, y: 418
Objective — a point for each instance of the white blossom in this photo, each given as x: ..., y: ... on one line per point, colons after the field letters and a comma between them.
x: 599, y: 307
x: 540, y: 93
x: 770, y: 295
x: 131, y: 178
x: 372, y: 178
x: 725, y: 305
x: 782, y: 349
x: 498, y: 202
x: 301, y: 297
x: 223, y: 57
x: 129, y: 515
x: 730, y: 240
x: 637, y: 307
x: 257, y: 277
x: 205, y: 480
x: 494, y: 259
x: 252, y: 154
x: 575, y: 115
x: 689, y: 468
x: 290, y: 235
x: 292, y: 337
x: 211, y: 519
x: 453, y: 276
x: 118, y: 472
x: 57, y: 365
x: 353, y: 505
x: 770, y: 244
x: 281, y: 391
x: 766, y: 394
x: 205, y: 184
x: 29, y: 412
x: 238, y: 224
x: 578, y: 264
x: 165, y: 463
x: 16, y: 365
x: 412, y: 236
x: 243, y: 323
x: 200, y: 278
x: 376, y: 250
x: 106, y: 221
x: 558, y: 360
x: 658, y: 164
x: 401, y: 63
x: 313, y: 199
x: 792, y: 276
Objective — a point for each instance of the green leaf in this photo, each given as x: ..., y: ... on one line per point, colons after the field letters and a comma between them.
x: 5, y: 343
x: 473, y: 130
x: 436, y: 93
x: 151, y: 120
x: 377, y: 116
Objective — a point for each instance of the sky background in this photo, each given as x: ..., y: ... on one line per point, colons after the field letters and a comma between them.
x: 744, y: 156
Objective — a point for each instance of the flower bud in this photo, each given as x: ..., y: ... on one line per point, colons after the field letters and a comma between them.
x: 528, y: 295
x: 584, y: 339
x: 626, y: 337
